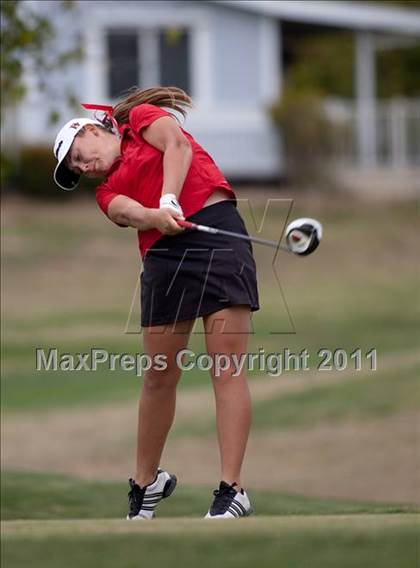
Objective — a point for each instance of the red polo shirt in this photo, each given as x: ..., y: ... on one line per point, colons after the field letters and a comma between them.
x: 138, y: 173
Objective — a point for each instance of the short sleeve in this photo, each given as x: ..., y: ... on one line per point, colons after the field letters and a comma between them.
x: 104, y: 196
x: 143, y: 115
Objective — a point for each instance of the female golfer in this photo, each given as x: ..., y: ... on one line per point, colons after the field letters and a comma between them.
x: 153, y: 174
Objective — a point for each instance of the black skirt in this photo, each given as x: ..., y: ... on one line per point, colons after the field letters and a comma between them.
x: 194, y: 274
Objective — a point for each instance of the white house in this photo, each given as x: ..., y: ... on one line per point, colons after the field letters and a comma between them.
x: 227, y: 54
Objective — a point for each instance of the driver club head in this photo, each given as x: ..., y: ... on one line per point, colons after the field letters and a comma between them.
x: 303, y: 236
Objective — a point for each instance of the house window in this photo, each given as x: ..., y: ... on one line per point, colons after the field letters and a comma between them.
x: 146, y: 58
x: 123, y: 61
x: 174, y: 60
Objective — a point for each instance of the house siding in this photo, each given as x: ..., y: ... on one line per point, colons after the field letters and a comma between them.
x: 236, y: 45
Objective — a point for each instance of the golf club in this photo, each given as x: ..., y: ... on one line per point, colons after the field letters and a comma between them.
x: 302, y: 235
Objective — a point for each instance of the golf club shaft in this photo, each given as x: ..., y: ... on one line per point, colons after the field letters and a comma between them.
x: 214, y: 231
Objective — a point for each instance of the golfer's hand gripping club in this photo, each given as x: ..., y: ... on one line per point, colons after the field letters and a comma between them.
x: 167, y: 221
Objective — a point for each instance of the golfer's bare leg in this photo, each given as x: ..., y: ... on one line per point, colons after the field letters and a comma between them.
x: 227, y: 332
x: 157, y: 400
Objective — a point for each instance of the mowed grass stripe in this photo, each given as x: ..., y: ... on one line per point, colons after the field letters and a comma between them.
x: 263, y: 524
x: 266, y: 542
x: 45, y: 496
x: 364, y: 394
x: 370, y: 395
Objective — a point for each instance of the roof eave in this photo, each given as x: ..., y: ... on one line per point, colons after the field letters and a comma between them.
x: 350, y: 15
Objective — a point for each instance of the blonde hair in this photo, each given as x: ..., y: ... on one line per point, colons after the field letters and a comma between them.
x: 170, y: 97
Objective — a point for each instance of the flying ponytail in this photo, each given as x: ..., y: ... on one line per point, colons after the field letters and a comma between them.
x: 170, y: 97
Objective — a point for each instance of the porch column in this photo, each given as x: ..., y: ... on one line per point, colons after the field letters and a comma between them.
x: 365, y: 84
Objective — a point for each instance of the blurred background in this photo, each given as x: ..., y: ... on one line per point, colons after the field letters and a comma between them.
x: 309, y: 105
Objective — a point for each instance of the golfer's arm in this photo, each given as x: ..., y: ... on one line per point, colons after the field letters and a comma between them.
x: 126, y: 211
x: 176, y: 163
x: 165, y: 135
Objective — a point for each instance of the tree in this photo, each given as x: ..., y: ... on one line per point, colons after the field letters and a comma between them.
x: 29, y: 40
x: 27, y: 35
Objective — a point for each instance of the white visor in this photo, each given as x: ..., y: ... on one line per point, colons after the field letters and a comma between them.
x: 63, y: 177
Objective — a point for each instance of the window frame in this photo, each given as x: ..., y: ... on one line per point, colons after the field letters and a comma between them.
x: 196, y: 19
x: 121, y: 31
x: 149, y: 54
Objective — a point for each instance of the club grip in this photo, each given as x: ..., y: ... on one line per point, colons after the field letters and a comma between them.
x: 186, y: 224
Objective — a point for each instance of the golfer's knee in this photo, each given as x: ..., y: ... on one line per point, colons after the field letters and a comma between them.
x: 226, y: 368
x: 160, y: 380
x: 226, y: 378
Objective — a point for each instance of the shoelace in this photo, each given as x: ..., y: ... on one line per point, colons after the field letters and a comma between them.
x: 223, y: 498
x: 135, y: 497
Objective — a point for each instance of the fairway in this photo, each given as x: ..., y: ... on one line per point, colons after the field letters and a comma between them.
x: 328, y: 541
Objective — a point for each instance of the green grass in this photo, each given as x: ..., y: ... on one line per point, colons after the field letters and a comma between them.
x: 379, y: 392
x: 360, y: 396
x: 45, y: 496
x: 369, y: 395
x: 40, y: 390
x: 44, y: 390
x: 366, y: 393
x: 266, y: 542
x: 359, y: 311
